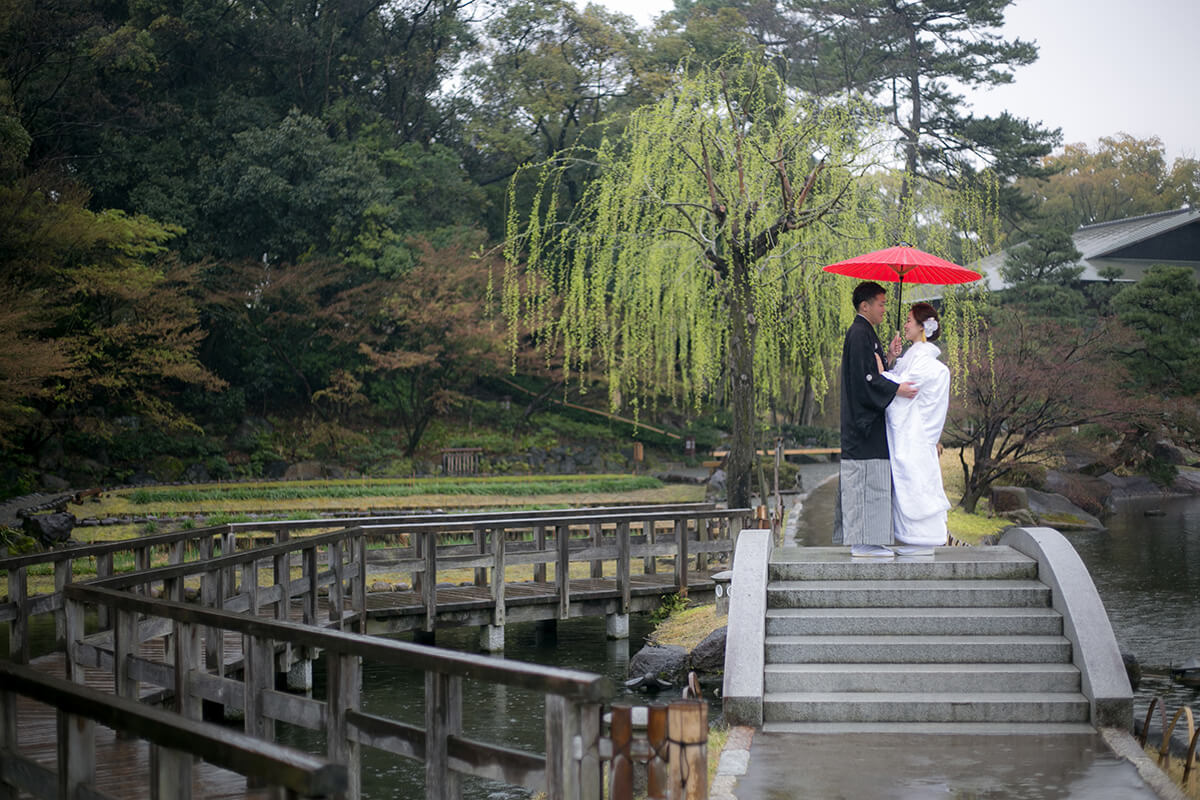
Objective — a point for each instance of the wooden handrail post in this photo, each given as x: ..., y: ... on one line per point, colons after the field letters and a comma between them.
x: 170, y: 774
x: 499, y: 611
x: 125, y: 647
x: 429, y: 580
x: 539, y: 543
x: 62, y: 576
x: 650, y: 562
x: 18, y: 632
x: 311, y: 570
x: 74, y: 623
x: 681, y: 558
x: 597, y: 534
x: 8, y: 736
x: 104, y: 569
x: 358, y: 591
x: 562, y: 569
x: 345, y: 685
x: 687, y: 729
x: 210, y: 597
x: 443, y: 719
x: 337, y: 599
x: 480, y: 537
x: 76, y: 753
x: 187, y: 660
x: 572, y: 750
x: 623, y: 566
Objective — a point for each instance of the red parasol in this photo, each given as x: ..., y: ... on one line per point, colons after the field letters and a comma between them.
x: 903, y: 263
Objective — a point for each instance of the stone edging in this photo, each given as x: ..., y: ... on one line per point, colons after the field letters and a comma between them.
x: 734, y: 761
x: 1123, y: 745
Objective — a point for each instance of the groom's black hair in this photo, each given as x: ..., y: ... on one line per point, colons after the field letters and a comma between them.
x: 867, y: 290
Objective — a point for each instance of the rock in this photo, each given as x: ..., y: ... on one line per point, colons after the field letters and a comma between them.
x: 1048, y: 509
x: 715, y: 488
x: 380, y: 586
x: 276, y: 469
x: 1086, y: 491
x: 196, y: 473
x: 1021, y: 517
x: 54, y: 483
x: 141, y: 478
x: 49, y: 529
x: 667, y: 662
x: 1187, y: 481
x: 305, y: 471
x: 709, y: 655
x: 1169, y: 453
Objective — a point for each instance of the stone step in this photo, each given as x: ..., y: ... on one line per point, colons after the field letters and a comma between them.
x: 917, y: 649
x: 1020, y: 621
x: 921, y: 678
x: 947, y: 563
x: 906, y: 594
x: 936, y: 728
x: 940, y: 707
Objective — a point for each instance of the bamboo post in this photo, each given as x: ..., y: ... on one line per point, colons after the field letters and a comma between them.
x: 687, y: 729
x: 656, y: 764
x: 621, y: 769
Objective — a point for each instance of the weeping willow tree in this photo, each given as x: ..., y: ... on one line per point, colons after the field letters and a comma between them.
x: 690, y: 267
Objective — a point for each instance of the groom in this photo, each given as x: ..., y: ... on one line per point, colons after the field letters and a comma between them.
x: 863, y: 515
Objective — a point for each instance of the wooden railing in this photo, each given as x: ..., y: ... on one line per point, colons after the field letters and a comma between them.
x: 174, y: 741
x: 576, y: 748
x: 420, y: 548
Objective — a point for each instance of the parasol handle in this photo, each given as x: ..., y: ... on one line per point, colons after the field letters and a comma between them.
x: 899, y: 302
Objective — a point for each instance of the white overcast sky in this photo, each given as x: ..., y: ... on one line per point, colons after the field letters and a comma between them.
x: 1104, y: 66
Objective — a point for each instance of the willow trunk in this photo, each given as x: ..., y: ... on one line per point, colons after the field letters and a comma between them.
x: 743, y: 330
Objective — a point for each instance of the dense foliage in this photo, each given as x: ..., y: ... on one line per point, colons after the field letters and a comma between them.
x: 241, y: 234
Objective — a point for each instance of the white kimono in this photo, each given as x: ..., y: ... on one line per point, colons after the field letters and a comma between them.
x: 914, y: 427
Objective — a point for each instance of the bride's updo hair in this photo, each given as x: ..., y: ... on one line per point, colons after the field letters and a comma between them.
x: 924, y: 311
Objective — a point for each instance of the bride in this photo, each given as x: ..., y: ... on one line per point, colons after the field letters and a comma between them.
x: 914, y: 428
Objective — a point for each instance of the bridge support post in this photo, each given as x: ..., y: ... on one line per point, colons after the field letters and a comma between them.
x: 616, y: 626
x: 491, y: 638
x: 300, y: 675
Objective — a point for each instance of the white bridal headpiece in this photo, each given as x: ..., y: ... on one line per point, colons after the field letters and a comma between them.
x: 930, y: 326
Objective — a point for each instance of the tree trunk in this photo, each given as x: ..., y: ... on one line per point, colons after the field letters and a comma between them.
x: 739, y: 467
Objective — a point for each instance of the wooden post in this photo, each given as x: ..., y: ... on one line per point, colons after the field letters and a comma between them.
x: 649, y: 563
x: 170, y: 774
x: 687, y: 729
x: 249, y: 586
x: 125, y: 647
x: 337, y: 599
x: 443, y: 719
x: 591, y: 775
x: 74, y: 622
x: 18, y: 632
x: 480, y: 536
x: 681, y: 565
x: 9, y: 740
x: 259, y: 677
x: 214, y: 638
x: 498, y: 568
x: 539, y: 543
x: 142, y: 560
x: 621, y: 769
x: 429, y: 586
x: 345, y: 686
x: 597, y: 534
x: 562, y: 769
x: 623, y: 577
x: 656, y: 764
x: 309, y: 598
x: 358, y: 591
x: 283, y: 576
x: 104, y: 569
x: 62, y: 576
x: 562, y: 569
x: 76, y: 754
x: 704, y: 533
x: 187, y: 659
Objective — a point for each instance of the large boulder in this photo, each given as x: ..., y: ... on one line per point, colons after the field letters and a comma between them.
x: 665, y: 662
x: 49, y: 529
x: 1050, y: 510
x: 709, y: 655
x: 1086, y: 491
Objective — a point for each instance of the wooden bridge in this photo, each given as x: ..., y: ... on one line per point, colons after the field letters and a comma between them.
x: 272, y: 596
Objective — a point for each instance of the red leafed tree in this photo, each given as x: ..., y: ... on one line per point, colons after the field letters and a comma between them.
x: 1046, y: 376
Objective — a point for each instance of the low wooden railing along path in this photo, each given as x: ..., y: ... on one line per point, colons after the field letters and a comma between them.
x: 255, y: 619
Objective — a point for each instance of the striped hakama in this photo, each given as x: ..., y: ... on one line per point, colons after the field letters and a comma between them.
x: 863, y: 514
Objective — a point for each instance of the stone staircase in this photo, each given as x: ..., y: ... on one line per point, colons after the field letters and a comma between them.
x: 965, y: 641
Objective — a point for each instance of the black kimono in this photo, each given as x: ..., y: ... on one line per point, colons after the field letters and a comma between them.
x: 865, y: 394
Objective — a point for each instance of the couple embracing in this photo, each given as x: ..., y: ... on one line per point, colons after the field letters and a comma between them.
x: 891, y: 494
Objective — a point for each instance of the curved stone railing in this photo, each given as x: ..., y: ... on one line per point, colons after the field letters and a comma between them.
x: 744, y: 655
x: 1085, y: 623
